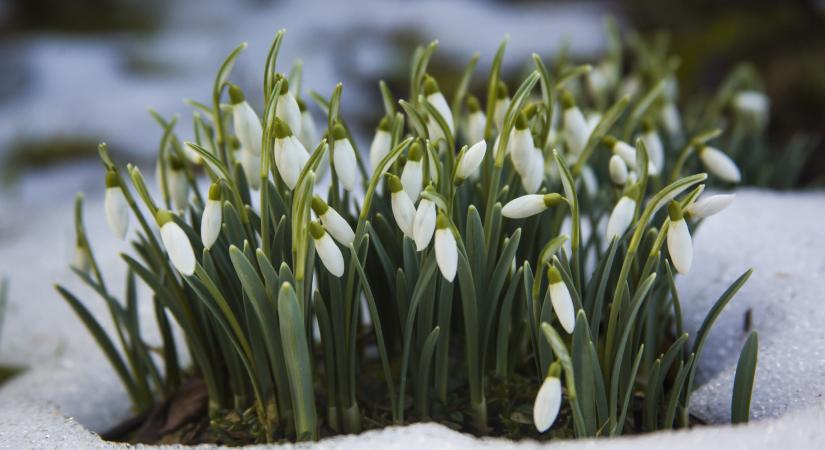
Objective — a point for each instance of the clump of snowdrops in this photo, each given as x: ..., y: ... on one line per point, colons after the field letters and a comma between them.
x: 503, y: 265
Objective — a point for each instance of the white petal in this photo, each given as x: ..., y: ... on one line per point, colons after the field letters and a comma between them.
x: 547, y: 405
x: 474, y: 131
x: 708, y: 206
x: 655, y: 149
x: 680, y: 246
x: 247, y: 127
x: 344, y: 163
x: 117, y: 211
x: 671, y: 119
x: 446, y: 254
x: 618, y: 170
x: 620, y: 218
x: 720, y: 164
x: 471, y: 160
x: 500, y: 111
x: 178, y: 188
x: 563, y: 306
x: 535, y: 172
x: 626, y: 152
x: 251, y: 165
x: 290, y: 157
x: 338, y: 227
x: 379, y: 148
x: 81, y: 262
x: 330, y: 255
x: 753, y: 103
x: 309, y: 131
x: 591, y: 184
x: 423, y: 224
x: 440, y: 104
x: 575, y: 130
x: 435, y: 132
x: 411, y: 179
x: 211, y: 222
x: 524, y: 206
x: 178, y: 247
x: 521, y: 150
x: 404, y: 212
x: 287, y: 110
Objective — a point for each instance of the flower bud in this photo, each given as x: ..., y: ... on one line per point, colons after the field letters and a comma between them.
x: 381, y: 143
x: 246, y: 122
x: 653, y: 144
x: 412, y: 176
x: 476, y: 121
x: 344, y: 161
x: 446, y: 253
x: 176, y: 243
x: 212, y: 217
x: 576, y: 130
x: 708, y: 206
x: 326, y: 249
x: 501, y: 105
x: 618, y: 170
x: 423, y: 224
x: 469, y: 163
x: 290, y: 155
x: 679, y: 242
x: 117, y: 210
x: 287, y: 108
x: 561, y: 300
x: 436, y: 98
x: 333, y: 222
x: 403, y: 209
x: 529, y: 205
x: 622, y: 215
x: 548, y: 400
x: 521, y: 145
x: 719, y: 164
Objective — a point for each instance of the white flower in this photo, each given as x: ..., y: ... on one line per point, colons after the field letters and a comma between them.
x: 117, y: 210
x: 290, y: 155
x: 423, y: 224
x: 251, y: 165
x: 82, y: 261
x: 622, y: 215
x: 212, y: 217
x: 469, y: 163
x: 708, y: 206
x: 679, y: 242
x: 529, y: 205
x: 381, y: 143
x: 436, y: 98
x: 548, y: 403
x: 247, y: 125
x: 628, y: 154
x: 753, y: 104
x: 436, y: 133
x: 591, y: 184
x: 618, y: 170
x: 576, y: 130
x: 671, y: 118
x: 446, y: 253
x: 178, y: 185
x: 719, y: 164
x: 476, y: 121
x: 561, y: 300
x: 521, y: 145
x: 531, y: 182
x: 287, y: 108
x: 403, y: 209
x: 333, y: 222
x: 655, y: 149
x: 309, y: 131
x: 343, y: 158
x: 176, y: 243
x: 501, y: 106
x: 326, y: 249
x: 412, y: 176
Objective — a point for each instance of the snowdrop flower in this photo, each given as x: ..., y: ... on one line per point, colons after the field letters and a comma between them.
x: 628, y: 154
x: 177, y: 184
x: 618, y: 170
x: 679, y: 242
x: 343, y: 158
x: 251, y: 165
x: 309, y: 131
x: 531, y: 182
x: 476, y: 120
x: 326, y: 249
x: 287, y: 108
x: 403, y: 209
x: 412, y: 176
x: 521, y: 145
x: 548, y: 400
x: 575, y: 127
x: 117, y: 211
x: 212, y: 217
x: 423, y: 224
x: 708, y: 206
x: 671, y: 119
x: 176, y: 243
x: 561, y: 300
x: 591, y: 184
x: 622, y: 214
x: 381, y: 143
x: 82, y: 261
x: 435, y: 132
x: 436, y: 98
x: 653, y: 144
x: 470, y: 161
x: 290, y: 155
x: 333, y: 222
x: 446, y: 253
x: 530, y: 205
x: 719, y: 164
x: 247, y: 125
x: 753, y: 104
x: 502, y: 104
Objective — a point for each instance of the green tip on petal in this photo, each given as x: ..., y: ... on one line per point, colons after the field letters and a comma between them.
x: 501, y: 90
x: 521, y: 121
x: 674, y: 211
x: 163, y: 216
x: 175, y: 163
x: 111, y: 179
x: 236, y: 94
x: 302, y: 106
x: 385, y: 124
x: 316, y: 230
x: 234, y: 142
x: 648, y: 126
x: 609, y: 141
x: 552, y: 199
x: 567, y: 100
x: 430, y: 85
x: 282, y: 130
x: 472, y: 104
x: 284, y: 83
x: 632, y: 191
x: 319, y: 206
x: 553, y: 275
x: 395, y: 183
x: 215, y: 191
x: 441, y: 221
x: 555, y: 370
x: 530, y: 110
x: 415, y: 152
x: 338, y: 132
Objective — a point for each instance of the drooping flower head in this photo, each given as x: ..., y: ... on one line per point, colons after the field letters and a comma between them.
x: 117, y: 210
x: 176, y: 243
x: 412, y: 176
x: 381, y: 143
x: 530, y: 205
x: 344, y: 161
x: 679, y: 242
x: 446, y: 253
x: 333, y: 222
x: 246, y: 122
x: 212, y: 216
x: 326, y: 249
x: 403, y: 209
x: 548, y: 399
x: 471, y: 160
x: 476, y: 120
x: 436, y: 98
x: 561, y: 300
x: 289, y: 154
x: 576, y: 130
x: 502, y: 104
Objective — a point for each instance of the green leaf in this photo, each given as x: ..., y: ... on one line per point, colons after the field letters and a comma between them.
x: 740, y: 407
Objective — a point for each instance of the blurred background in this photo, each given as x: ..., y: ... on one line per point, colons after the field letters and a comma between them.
x: 78, y: 72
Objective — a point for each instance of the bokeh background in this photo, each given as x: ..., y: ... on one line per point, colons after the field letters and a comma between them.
x: 77, y: 72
